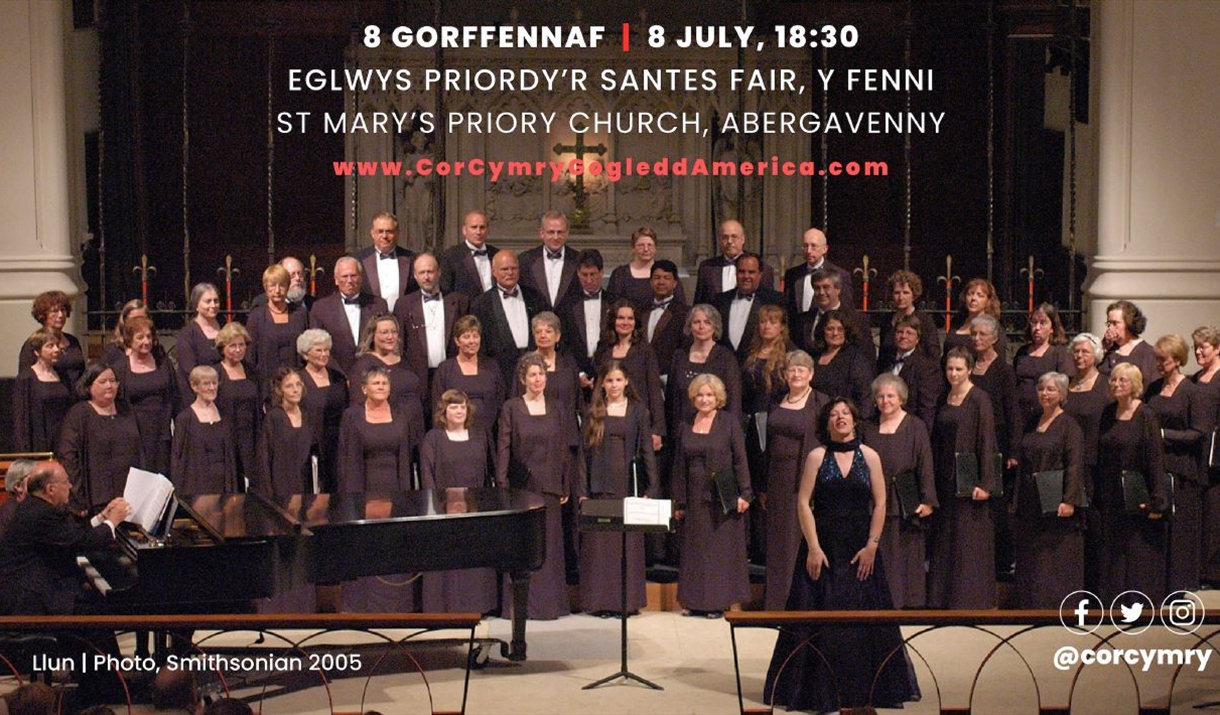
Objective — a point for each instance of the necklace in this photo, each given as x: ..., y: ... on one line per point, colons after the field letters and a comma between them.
x: 790, y: 400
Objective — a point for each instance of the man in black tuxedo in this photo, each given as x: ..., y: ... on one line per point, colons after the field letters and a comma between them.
x: 298, y: 290
x: 717, y: 275
x: 827, y: 287
x: 505, y: 312
x: 798, y: 286
x: 466, y: 267
x: 38, y: 555
x: 345, y: 312
x: 922, y: 374
x: 550, y: 268
x: 665, y: 319
x: 584, y: 315
x: 739, y: 307
x: 387, y: 266
x: 426, y: 317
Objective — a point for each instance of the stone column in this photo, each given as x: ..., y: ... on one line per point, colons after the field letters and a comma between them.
x: 35, y: 238
x: 1159, y: 171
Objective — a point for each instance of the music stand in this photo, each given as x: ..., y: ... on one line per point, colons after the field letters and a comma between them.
x: 607, y: 515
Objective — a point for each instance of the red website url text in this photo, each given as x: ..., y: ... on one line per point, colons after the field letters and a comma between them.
x: 558, y: 171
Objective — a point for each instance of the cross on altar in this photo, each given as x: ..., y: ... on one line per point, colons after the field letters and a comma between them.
x: 580, y: 209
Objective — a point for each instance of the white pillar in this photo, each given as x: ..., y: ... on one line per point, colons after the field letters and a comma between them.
x: 35, y: 244
x: 1159, y: 170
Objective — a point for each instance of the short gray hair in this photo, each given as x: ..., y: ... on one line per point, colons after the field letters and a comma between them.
x: 312, y: 338
x: 986, y: 320
x: 712, y: 315
x: 1093, y: 341
x: 889, y: 379
x: 1060, y: 381
x: 17, y: 472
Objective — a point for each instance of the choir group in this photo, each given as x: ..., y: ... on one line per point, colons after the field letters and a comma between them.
x: 1078, y: 463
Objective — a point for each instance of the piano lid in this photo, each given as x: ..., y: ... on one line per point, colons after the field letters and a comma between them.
x: 321, y: 510
x: 238, y: 517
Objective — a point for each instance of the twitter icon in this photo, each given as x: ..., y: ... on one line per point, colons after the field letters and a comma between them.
x: 1131, y: 612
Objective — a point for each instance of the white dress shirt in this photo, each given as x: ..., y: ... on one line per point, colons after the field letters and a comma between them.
x: 554, y: 272
x: 387, y: 276
x: 807, y: 285
x: 352, y: 311
x: 739, y: 315
x: 482, y: 264
x: 898, y: 361
x: 518, y: 318
x: 593, y: 322
x: 434, y: 329
x: 654, y: 315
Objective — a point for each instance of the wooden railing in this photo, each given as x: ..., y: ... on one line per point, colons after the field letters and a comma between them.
x: 1021, y: 623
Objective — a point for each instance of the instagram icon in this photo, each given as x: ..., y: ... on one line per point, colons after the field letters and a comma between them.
x: 1182, y: 612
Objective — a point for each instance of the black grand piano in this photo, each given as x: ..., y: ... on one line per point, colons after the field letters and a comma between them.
x: 225, y: 549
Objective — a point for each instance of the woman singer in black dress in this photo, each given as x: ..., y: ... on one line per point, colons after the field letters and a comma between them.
x: 633, y: 280
x: 376, y: 446
x: 535, y: 451
x: 203, y: 459
x: 841, y: 504
x: 623, y: 342
x: 901, y: 439
x: 705, y: 354
x: 274, y: 327
x: 99, y: 440
x: 712, y: 575
x: 150, y: 386
x: 41, y: 399
x: 52, y: 309
x: 1049, y: 544
x: 1134, y: 541
x: 905, y: 290
x: 978, y: 297
x: 475, y: 376
x: 1186, y: 415
x: 286, y: 441
x: 843, y: 369
x: 1125, y: 322
x: 619, y: 462
x: 196, y: 343
x: 962, y: 555
x: 455, y: 455
x: 1207, y: 354
x: 1088, y: 395
x: 791, y: 435
x: 237, y: 397
x: 324, y: 402
x: 381, y: 346
x: 1045, y: 350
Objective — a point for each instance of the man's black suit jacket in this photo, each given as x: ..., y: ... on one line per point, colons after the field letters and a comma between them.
x: 410, y: 313
x: 459, y: 274
x: 372, y: 283
x: 533, y: 274
x: 708, y: 283
x: 497, y: 337
x: 572, y: 316
x: 724, y: 302
x: 38, y: 559
x: 329, y: 315
x: 794, y: 288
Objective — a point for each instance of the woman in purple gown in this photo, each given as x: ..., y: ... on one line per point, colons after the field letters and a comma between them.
x: 274, y: 327
x: 204, y: 459
x: 196, y: 343
x: 1045, y: 350
x: 150, y: 386
x: 1049, y: 543
x: 535, y: 451
x: 841, y: 504
x: 791, y: 435
x: 1186, y: 415
x: 238, y: 397
x: 99, y: 440
x: 1207, y: 354
x: 52, y: 310
x: 286, y: 441
x: 40, y: 397
x: 324, y: 401
x: 901, y: 439
x: 376, y: 444
x: 712, y: 574
x: 455, y: 456
x: 475, y: 376
x: 619, y: 462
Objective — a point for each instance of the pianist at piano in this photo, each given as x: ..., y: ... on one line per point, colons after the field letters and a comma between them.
x: 38, y: 555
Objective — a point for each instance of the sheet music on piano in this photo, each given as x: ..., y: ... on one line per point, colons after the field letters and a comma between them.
x: 151, y: 497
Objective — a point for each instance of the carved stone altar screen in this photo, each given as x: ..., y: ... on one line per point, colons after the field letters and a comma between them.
x: 684, y: 211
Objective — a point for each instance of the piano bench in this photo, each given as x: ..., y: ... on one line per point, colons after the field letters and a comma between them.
x: 19, y: 648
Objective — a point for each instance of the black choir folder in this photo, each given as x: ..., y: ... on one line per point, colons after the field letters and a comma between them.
x: 1050, y: 490
x: 1135, y: 492
x: 966, y: 474
x: 726, y: 489
x: 906, y: 486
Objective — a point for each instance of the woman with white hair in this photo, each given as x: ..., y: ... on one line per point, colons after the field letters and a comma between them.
x: 1088, y: 395
x: 1049, y: 539
x: 324, y: 400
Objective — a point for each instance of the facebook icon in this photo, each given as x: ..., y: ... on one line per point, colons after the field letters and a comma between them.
x: 1075, y: 609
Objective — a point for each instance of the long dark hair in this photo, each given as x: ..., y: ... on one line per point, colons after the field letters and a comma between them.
x: 595, y: 426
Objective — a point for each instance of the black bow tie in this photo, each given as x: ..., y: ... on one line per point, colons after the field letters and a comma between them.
x: 431, y: 296
x: 510, y: 293
x: 810, y: 270
x: 352, y: 301
x: 554, y: 255
x: 661, y: 304
x: 744, y: 296
x: 386, y: 256
x: 478, y: 251
x: 593, y: 296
